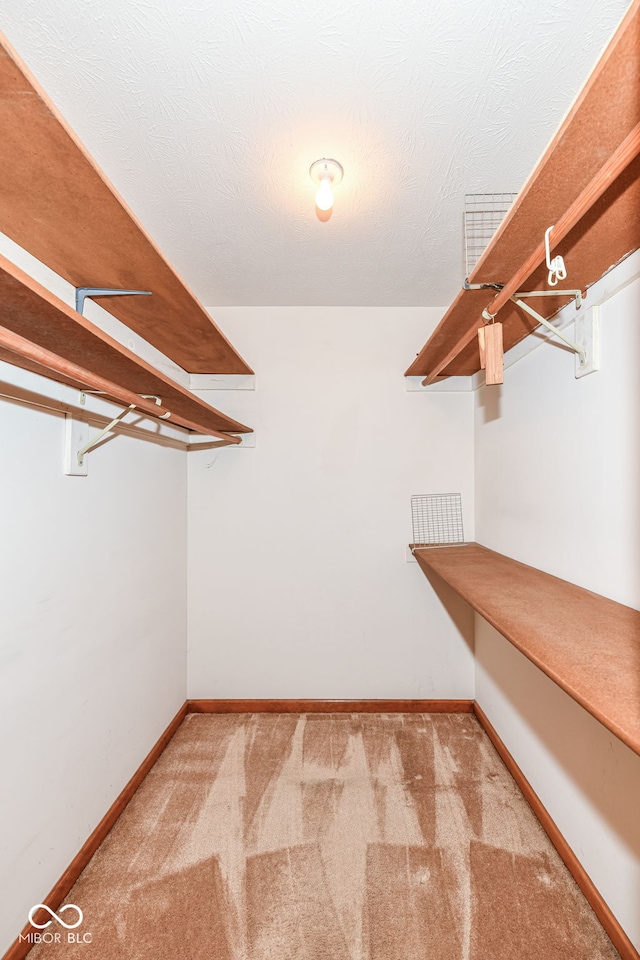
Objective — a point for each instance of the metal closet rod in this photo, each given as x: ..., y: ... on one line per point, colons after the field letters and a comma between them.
x: 61, y: 408
x: 608, y: 172
x: 32, y: 351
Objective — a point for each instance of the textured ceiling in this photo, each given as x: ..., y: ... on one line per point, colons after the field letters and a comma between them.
x: 206, y: 116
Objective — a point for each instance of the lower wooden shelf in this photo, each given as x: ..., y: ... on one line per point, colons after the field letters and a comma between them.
x: 587, y: 644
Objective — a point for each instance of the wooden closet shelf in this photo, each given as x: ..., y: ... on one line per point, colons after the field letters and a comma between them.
x: 604, y: 114
x: 57, y: 204
x: 42, y: 319
x: 587, y: 644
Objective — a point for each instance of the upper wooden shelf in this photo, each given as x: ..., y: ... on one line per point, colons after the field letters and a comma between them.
x: 587, y: 644
x: 605, y: 112
x: 42, y: 319
x: 57, y: 204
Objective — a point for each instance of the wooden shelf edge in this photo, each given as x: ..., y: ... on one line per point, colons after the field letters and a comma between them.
x: 572, y: 117
x: 479, y: 575
x: 608, y: 231
x: 35, y: 223
x: 24, y: 298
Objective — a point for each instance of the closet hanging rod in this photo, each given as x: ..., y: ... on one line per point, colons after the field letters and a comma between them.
x: 32, y: 351
x: 610, y: 170
x: 62, y: 409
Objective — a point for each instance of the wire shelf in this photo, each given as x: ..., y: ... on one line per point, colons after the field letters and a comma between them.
x: 483, y: 214
x: 437, y: 518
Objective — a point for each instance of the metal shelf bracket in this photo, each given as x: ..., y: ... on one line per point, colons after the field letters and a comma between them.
x: 582, y: 356
x: 98, y: 437
x: 576, y: 295
x: 481, y: 286
x: 83, y: 292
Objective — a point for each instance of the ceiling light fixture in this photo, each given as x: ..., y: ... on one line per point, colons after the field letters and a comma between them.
x: 326, y: 173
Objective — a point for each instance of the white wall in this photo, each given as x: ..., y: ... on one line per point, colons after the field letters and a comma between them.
x: 587, y: 778
x: 557, y: 486
x: 298, y: 582
x: 93, y: 640
x: 558, y: 459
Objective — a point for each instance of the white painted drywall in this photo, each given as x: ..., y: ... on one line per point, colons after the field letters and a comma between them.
x: 587, y: 779
x: 557, y: 486
x: 298, y: 580
x: 93, y: 640
x: 557, y: 459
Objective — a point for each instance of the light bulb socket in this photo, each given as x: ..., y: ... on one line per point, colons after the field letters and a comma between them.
x: 326, y: 169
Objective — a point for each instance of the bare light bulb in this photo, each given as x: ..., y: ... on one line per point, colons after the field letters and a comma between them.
x: 324, y: 196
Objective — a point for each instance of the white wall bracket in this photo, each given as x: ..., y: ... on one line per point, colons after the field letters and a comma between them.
x: 587, y: 334
x: 76, y: 435
x: 98, y: 437
x: 77, y: 442
x: 576, y: 295
x: 83, y: 292
x: 577, y: 348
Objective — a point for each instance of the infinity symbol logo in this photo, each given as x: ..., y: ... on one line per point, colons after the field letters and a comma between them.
x: 55, y: 916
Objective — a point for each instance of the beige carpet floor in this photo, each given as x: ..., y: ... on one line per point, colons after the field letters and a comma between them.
x: 330, y: 837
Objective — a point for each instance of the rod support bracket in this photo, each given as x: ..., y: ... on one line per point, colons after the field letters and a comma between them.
x: 98, y: 437
x: 116, y: 420
x: 582, y: 357
x: 575, y: 294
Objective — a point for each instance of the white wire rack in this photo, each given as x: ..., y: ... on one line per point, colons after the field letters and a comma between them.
x: 483, y: 214
x: 437, y: 518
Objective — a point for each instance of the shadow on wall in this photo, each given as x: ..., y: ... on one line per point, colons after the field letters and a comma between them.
x: 460, y: 613
x: 490, y: 403
x: 605, y: 770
